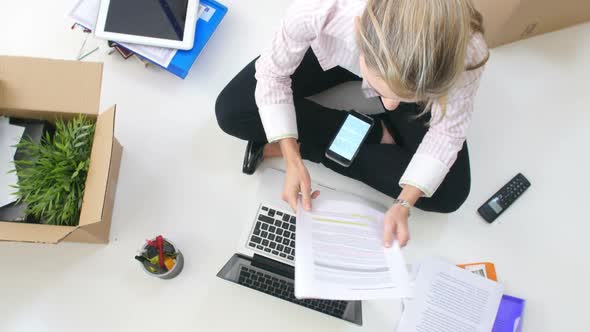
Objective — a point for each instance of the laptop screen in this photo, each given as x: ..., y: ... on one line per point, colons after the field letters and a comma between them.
x: 243, y: 271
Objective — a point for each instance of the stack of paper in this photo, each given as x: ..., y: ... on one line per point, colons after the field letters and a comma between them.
x: 10, y: 135
x: 340, y: 254
x: 450, y: 299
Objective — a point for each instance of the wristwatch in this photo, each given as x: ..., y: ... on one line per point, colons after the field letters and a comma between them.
x: 403, y: 203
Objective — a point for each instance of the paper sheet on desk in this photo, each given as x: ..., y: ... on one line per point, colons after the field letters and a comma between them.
x: 450, y: 299
x: 340, y: 254
x: 85, y: 12
x: 9, y: 136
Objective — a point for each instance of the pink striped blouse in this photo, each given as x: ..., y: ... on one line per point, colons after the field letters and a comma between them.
x: 327, y: 26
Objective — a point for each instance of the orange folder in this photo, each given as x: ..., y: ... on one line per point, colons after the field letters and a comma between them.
x: 485, y: 269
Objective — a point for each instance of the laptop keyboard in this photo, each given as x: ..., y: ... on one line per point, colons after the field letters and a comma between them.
x: 274, y: 233
x: 284, y: 289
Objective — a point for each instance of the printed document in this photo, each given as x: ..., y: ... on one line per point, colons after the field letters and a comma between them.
x: 450, y: 299
x: 339, y: 254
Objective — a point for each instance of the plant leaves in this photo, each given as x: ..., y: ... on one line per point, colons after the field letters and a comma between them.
x: 53, y: 174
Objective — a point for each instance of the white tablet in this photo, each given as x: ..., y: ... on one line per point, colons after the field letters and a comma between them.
x: 165, y: 23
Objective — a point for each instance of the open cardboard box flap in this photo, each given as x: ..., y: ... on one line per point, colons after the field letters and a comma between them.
x: 507, y: 21
x: 51, y: 89
x: 21, y: 232
x: 98, y: 172
x: 496, y: 14
x: 42, y: 87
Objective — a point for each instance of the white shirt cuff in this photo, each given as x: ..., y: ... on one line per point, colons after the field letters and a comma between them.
x: 425, y: 173
x: 279, y: 121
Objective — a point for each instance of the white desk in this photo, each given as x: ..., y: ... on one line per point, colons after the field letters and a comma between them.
x: 180, y: 174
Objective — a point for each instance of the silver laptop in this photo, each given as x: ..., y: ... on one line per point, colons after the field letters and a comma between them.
x: 265, y: 256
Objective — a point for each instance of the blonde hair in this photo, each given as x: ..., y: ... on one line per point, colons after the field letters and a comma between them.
x: 418, y: 47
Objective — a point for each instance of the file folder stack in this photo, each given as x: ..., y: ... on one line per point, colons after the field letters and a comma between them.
x: 178, y: 62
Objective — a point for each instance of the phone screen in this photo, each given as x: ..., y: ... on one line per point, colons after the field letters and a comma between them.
x: 350, y: 137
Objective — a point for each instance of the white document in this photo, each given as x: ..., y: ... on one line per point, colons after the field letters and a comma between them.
x: 9, y: 136
x: 450, y: 299
x: 85, y: 12
x: 340, y: 254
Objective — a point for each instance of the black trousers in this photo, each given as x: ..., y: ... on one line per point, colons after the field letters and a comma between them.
x: 378, y: 165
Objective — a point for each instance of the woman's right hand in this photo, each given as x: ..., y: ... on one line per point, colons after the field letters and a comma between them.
x: 297, y: 179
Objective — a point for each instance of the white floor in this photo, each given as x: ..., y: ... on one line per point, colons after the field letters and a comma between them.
x: 180, y: 176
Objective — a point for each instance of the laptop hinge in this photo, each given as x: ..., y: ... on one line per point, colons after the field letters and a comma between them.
x: 273, y: 266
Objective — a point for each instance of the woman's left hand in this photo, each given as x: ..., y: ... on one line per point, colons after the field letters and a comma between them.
x: 396, y: 224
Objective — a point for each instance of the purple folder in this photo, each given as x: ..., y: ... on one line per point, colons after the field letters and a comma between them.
x: 509, y: 317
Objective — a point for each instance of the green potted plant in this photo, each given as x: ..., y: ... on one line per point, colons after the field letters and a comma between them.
x: 52, y: 174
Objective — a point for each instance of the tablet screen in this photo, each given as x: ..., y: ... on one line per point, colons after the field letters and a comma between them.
x: 149, y: 18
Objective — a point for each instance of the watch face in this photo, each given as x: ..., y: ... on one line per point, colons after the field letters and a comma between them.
x: 403, y: 203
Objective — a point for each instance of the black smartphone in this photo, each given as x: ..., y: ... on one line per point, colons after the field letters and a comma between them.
x: 349, y: 138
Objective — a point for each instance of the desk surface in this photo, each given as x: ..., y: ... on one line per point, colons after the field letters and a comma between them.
x: 179, y: 175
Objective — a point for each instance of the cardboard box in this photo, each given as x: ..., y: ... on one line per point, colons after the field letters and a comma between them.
x: 50, y: 89
x: 507, y: 21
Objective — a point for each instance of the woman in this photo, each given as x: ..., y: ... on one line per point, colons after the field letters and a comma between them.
x: 423, y: 58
